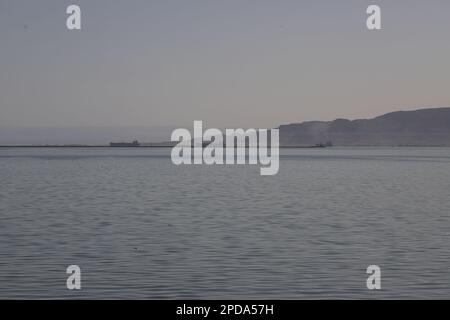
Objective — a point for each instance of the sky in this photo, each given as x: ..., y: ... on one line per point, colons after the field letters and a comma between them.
x: 230, y: 63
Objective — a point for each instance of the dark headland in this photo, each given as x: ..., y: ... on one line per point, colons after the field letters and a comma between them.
x: 424, y: 127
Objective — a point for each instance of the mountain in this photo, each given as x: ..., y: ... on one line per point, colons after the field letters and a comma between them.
x: 425, y: 127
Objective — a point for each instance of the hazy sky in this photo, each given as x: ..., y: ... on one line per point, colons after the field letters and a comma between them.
x: 231, y: 63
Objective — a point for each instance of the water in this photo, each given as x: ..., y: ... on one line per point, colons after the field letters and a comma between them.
x: 140, y: 227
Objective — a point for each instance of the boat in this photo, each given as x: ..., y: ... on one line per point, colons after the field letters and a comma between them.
x: 135, y: 143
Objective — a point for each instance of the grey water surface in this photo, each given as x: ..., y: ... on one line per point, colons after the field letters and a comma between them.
x: 140, y: 227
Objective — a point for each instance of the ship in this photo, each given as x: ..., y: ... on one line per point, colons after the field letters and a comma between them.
x: 135, y: 143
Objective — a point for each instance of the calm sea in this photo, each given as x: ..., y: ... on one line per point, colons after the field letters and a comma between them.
x: 140, y: 227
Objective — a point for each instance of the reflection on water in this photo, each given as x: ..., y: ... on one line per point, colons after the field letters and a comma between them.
x: 140, y: 227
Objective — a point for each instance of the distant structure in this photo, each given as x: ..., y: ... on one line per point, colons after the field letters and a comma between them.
x: 135, y: 143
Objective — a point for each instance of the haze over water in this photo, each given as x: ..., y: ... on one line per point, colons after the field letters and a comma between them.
x: 140, y: 227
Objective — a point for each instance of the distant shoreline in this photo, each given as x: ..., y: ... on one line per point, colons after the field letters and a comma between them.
x: 133, y: 147
x: 171, y: 146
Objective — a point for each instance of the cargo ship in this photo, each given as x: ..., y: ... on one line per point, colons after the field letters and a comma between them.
x: 135, y: 143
